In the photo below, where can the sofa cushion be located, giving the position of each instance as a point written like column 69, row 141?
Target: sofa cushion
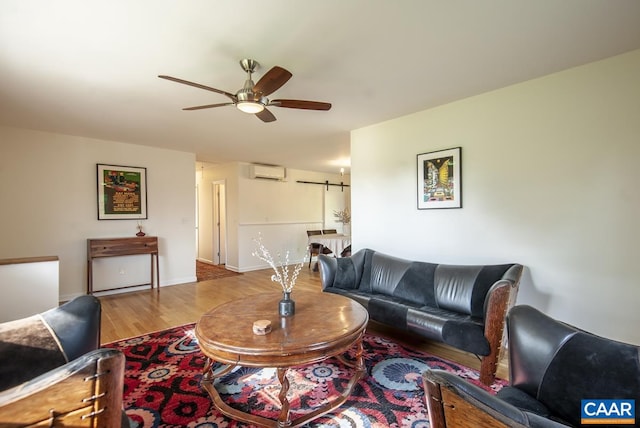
column 464, row 289
column 386, row 273
column 345, row 274
column 27, row 349
column 349, row 271
column 392, row 276
column 365, row 281
column 387, row 311
column 600, row 368
column 454, row 287
column 466, row 335
column 523, row 401
column 455, row 329
column 416, row 285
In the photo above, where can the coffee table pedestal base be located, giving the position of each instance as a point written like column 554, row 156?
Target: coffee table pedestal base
column 284, row 419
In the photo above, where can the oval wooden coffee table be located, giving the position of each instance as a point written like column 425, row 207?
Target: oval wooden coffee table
column 324, row 325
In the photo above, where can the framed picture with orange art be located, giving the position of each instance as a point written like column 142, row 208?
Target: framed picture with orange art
column 439, row 180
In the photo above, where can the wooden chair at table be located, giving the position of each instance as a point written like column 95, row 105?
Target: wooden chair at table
column 314, row 247
column 346, row 252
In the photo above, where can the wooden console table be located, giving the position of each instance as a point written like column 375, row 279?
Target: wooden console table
column 113, row 247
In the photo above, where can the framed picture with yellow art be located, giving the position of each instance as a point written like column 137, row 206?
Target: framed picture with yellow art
column 122, row 192
column 439, row 179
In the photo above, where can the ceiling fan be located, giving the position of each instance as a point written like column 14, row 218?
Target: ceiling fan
column 252, row 98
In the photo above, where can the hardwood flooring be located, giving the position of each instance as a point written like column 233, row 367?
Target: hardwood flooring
column 131, row 314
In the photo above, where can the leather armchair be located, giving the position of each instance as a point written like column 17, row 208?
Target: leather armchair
column 53, row 373
column 552, row 367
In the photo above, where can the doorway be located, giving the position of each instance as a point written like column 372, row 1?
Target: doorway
column 219, row 223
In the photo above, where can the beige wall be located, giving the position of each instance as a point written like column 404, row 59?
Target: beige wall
column 281, row 212
column 550, row 180
column 49, row 206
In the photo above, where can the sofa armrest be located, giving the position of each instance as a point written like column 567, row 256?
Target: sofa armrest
column 496, row 306
column 328, row 268
column 501, row 297
column 452, row 400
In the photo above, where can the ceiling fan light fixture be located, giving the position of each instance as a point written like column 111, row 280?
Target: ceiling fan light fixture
column 250, row 107
column 252, row 98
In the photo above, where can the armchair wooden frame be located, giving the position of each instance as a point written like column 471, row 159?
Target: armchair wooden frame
column 86, row 392
column 447, row 409
column 501, row 298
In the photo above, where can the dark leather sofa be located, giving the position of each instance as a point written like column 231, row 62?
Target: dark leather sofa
column 553, row 366
column 462, row 306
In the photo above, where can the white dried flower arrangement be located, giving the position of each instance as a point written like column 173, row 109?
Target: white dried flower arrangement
column 343, row 216
column 282, row 275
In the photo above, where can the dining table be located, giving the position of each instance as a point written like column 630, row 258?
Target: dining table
column 336, row 242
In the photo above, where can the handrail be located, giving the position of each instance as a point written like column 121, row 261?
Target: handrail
column 20, row 260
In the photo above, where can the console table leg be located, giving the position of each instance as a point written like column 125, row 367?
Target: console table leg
column 89, row 277
column 158, row 272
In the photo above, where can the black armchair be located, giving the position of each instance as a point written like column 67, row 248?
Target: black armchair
column 52, row 372
column 552, row 367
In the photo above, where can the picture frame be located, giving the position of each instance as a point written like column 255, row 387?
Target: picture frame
column 439, row 179
column 122, row 192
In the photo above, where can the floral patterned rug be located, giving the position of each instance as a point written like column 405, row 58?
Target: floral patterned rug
column 164, row 369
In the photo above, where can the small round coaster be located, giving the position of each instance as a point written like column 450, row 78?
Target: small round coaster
column 261, row 327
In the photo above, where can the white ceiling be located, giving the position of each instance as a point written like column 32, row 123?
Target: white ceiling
column 89, row 68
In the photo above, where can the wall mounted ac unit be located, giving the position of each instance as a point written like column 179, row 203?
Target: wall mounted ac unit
column 268, row 172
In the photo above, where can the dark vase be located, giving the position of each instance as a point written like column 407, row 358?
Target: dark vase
column 286, row 307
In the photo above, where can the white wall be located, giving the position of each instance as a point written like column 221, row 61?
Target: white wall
column 49, row 207
column 28, row 287
column 281, row 212
column 550, row 180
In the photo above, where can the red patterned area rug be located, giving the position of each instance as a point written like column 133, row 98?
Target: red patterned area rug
column 164, row 369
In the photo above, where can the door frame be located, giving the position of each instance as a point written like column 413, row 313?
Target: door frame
column 219, row 222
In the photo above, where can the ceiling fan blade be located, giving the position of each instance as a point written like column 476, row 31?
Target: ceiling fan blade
column 208, row 106
column 198, row 85
column 272, row 81
column 306, row 105
column 266, row 116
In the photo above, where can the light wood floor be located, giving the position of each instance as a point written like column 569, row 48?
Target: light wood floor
column 131, row 314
